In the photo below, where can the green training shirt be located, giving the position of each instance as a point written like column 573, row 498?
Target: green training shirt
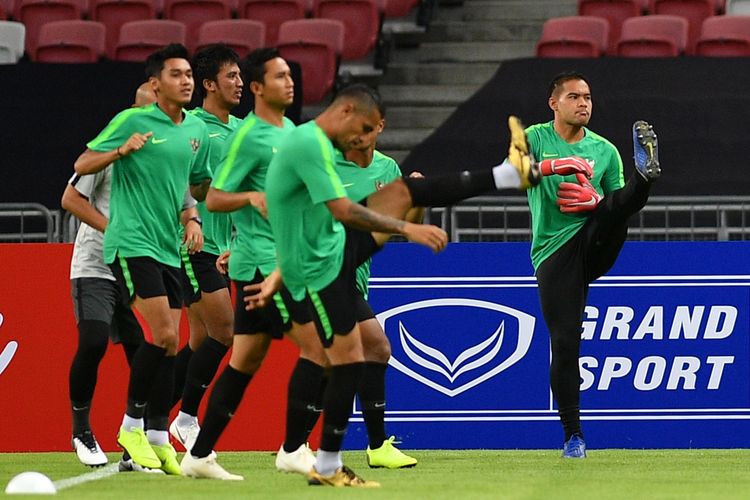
column 217, row 226
column 244, row 166
column 309, row 241
column 550, row 227
column 360, row 183
column 149, row 185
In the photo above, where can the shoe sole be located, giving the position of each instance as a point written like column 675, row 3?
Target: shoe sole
column 519, row 141
column 409, row 466
column 644, row 134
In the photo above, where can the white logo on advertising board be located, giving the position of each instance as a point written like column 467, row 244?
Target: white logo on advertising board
column 10, row 350
column 424, row 358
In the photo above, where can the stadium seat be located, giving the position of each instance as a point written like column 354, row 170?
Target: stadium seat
column 3, row 15
column 575, row 36
column 272, row 13
column 738, row 7
column 695, row 11
column 725, row 36
column 653, row 36
column 362, row 23
column 114, row 13
column 243, row 35
column 70, row 42
column 34, row 13
column 138, row 39
column 316, row 45
column 193, row 13
column 399, row 8
column 12, row 41
column 614, row 11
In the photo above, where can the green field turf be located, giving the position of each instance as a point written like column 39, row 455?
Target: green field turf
column 606, row 474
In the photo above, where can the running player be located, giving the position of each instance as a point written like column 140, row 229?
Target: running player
column 157, row 152
column 206, row 290
column 579, row 228
column 238, row 188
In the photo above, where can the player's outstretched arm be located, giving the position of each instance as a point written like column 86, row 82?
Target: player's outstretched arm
column 199, row 191
column 225, row 201
column 91, row 162
column 78, row 205
column 360, row 217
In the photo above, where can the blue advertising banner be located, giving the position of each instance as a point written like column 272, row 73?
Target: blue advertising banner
column 665, row 357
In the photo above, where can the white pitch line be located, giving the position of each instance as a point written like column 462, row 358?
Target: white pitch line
column 109, row 470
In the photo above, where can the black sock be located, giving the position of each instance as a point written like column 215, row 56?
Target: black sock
column 92, row 344
column 314, row 415
column 224, row 400
column 301, row 409
column 146, row 364
column 449, row 189
column 372, row 397
column 158, row 401
column 571, row 421
column 180, row 372
column 200, row 373
column 130, row 350
column 342, row 385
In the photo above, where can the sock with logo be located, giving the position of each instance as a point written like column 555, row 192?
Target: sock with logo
column 342, row 385
column 200, row 373
column 372, row 397
column 223, row 402
column 142, row 376
column 93, row 337
column 449, row 189
column 571, row 421
column 158, row 401
column 302, row 409
column 180, row 372
column 314, row 416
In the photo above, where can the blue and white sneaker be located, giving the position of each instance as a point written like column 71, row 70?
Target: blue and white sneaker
column 646, row 150
column 575, row 447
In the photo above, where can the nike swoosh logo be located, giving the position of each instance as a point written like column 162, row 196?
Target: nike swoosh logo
column 204, row 386
column 379, row 405
column 348, row 185
column 140, row 405
column 154, row 140
column 591, row 201
column 549, row 155
column 214, row 135
column 75, row 408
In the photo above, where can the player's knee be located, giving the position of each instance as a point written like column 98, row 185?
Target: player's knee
column 93, row 337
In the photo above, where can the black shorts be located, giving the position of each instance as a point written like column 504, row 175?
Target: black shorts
column 147, row 278
column 334, row 308
column 363, row 309
column 274, row 319
column 199, row 274
column 98, row 299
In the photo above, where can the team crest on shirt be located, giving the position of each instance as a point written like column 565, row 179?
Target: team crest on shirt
column 195, row 144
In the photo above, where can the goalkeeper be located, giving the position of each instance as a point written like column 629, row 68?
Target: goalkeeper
column 579, row 227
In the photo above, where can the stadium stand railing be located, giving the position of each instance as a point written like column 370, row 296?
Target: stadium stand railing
column 29, row 222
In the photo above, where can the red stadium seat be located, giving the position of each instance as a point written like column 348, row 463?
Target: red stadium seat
column 399, row 8
column 12, row 41
column 35, row 13
column 272, row 13
column 138, row 39
column 575, row 36
column 695, row 11
column 70, row 42
column 114, row 13
column 725, row 36
column 242, row 35
column 193, row 13
column 614, row 11
column 316, row 44
column 362, row 23
column 719, row 6
column 653, row 36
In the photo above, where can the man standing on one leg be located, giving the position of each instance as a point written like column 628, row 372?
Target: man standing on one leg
column 579, row 228
column 206, row 290
column 157, row 152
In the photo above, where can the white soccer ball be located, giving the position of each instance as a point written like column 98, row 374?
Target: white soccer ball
column 30, row 482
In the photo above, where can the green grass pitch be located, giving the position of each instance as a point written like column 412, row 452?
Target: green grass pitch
column 606, row 474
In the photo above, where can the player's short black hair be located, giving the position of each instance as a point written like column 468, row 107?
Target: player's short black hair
column 155, row 61
column 364, row 95
column 207, row 63
column 254, row 65
column 566, row 76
